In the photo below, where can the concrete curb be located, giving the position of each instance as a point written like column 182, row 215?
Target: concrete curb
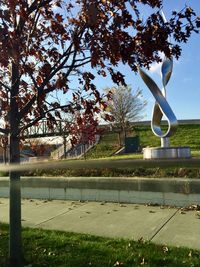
column 163, row 191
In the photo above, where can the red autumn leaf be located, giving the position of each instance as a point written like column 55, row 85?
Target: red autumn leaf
column 39, row 80
column 59, row 17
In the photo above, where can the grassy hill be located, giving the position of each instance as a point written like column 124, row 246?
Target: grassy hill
column 107, row 146
column 186, row 135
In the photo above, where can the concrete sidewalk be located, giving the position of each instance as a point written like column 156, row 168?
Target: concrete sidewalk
column 159, row 224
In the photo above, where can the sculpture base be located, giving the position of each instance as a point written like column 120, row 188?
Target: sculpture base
column 166, row 153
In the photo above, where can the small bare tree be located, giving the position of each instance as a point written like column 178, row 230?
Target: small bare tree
column 125, row 107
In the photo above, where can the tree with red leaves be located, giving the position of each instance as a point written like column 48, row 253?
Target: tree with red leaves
column 84, row 130
column 44, row 44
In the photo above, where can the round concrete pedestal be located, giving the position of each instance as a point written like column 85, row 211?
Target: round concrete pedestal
column 166, row 152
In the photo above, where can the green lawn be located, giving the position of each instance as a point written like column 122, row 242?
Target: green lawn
column 107, row 146
column 44, row 248
column 186, row 135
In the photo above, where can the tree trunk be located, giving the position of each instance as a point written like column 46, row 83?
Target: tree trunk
column 124, row 133
column 5, row 154
column 65, row 146
column 119, row 139
column 15, row 242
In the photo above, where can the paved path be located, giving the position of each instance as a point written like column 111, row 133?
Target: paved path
column 169, row 226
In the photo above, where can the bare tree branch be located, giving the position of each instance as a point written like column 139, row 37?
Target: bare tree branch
column 5, row 86
column 4, row 131
column 33, row 122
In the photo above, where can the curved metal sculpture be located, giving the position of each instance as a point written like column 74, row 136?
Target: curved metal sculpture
column 161, row 106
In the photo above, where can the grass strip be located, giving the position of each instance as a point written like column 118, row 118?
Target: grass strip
column 45, row 248
column 104, row 163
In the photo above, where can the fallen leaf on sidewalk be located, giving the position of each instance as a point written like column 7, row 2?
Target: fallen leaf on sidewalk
column 152, row 204
column 195, row 207
column 191, row 207
column 182, row 212
column 198, row 215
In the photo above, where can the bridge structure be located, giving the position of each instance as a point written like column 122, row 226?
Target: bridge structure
column 64, row 150
column 43, row 130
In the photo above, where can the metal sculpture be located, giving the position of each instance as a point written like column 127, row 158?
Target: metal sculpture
column 161, row 106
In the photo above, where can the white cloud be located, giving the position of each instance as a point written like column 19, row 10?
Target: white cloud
column 156, row 67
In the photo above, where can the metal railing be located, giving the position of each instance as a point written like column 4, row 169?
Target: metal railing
column 75, row 152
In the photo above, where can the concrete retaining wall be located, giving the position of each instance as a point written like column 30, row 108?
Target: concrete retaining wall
column 165, row 191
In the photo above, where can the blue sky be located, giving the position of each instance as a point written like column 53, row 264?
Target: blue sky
column 183, row 89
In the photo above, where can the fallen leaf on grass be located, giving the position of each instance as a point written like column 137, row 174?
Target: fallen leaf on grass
column 51, row 254
column 141, row 240
column 190, row 254
column 118, row 263
column 142, row 262
column 165, row 249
